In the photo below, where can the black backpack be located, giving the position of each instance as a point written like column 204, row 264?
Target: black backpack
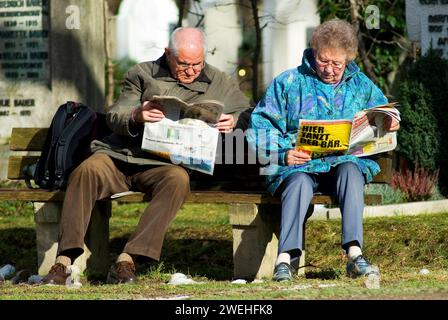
column 67, row 144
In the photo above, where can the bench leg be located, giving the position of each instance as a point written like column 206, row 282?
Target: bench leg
column 255, row 240
column 46, row 216
column 255, row 243
column 96, row 249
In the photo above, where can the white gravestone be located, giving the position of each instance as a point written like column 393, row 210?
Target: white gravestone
column 288, row 32
column 51, row 51
column 24, row 61
column 427, row 23
column 143, row 28
column 223, row 32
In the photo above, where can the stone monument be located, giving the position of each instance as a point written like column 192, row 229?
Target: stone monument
column 50, row 52
column 143, row 28
column 427, row 23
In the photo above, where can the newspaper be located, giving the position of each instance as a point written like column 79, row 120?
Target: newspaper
column 174, row 108
column 183, row 136
column 362, row 136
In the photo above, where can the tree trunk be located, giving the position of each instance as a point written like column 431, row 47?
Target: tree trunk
column 257, row 51
column 109, row 63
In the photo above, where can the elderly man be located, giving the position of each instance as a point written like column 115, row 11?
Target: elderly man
column 118, row 164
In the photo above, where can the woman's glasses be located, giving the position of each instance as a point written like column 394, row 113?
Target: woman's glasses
column 335, row 65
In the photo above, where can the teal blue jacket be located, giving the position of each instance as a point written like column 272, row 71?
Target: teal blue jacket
column 300, row 94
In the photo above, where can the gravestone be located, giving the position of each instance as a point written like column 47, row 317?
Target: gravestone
column 427, row 23
column 143, row 28
column 222, row 28
column 50, row 52
column 288, row 33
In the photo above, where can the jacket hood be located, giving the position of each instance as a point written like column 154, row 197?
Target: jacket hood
column 309, row 64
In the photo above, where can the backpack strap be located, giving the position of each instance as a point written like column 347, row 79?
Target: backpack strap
column 83, row 114
column 57, row 128
column 28, row 174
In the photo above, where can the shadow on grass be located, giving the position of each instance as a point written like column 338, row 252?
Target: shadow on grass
column 212, row 259
column 196, row 257
column 18, row 247
column 324, row 274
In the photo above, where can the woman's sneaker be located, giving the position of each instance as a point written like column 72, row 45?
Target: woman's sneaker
column 283, row 272
column 360, row 266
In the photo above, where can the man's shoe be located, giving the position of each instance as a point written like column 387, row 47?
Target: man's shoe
column 122, row 272
column 58, row 275
column 360, row 266
column 283, row 272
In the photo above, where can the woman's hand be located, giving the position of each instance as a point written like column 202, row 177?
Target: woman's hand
column 148, row 112
column 391, row 124
column 296, row 157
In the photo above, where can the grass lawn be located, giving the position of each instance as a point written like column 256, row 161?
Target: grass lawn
column 199, row 244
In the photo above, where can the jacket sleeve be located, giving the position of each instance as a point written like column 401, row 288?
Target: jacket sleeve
column 119, row 115
column 267, row 134
column 235, row 102
column 373, row 95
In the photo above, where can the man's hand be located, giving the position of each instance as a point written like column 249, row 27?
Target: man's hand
column 148, row 112
column 390, row 124
column 296, row 157
column 225, row 123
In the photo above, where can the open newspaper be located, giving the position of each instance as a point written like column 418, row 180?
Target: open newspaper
column 174, row 108
column 362, row 136
column 186, row 135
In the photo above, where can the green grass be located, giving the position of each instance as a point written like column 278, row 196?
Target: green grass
column 199, row 243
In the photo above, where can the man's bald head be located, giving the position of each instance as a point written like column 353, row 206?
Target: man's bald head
column 187, row 38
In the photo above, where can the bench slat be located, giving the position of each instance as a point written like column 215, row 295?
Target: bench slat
column 16, row 164
column 37, row 195
column 229, row 180
column 27, row 139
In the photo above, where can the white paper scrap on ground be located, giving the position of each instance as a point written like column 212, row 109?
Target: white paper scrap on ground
column 372, row 281
column 239, row 281
column 73, row 281
column 180, row 278
column 424, row 271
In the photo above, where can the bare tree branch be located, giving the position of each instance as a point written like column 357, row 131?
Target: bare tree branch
column 257, row 50
column 228, row 4
column 354, row 11
column 181, row 4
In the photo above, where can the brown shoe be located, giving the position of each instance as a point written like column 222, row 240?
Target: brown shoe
column 58, row 275
column 122, row 272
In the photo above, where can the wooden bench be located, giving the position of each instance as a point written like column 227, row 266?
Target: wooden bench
column 253, row 214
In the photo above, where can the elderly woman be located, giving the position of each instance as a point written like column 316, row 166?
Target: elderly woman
column 328, row 85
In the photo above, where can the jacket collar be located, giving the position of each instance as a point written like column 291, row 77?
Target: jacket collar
column 161, row 71
column 309, row 63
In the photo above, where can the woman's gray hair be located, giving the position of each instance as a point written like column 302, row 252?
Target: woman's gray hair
column 174, row 42
column 336, row 34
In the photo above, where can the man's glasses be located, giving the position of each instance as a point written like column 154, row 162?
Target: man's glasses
column 184, row 66
column 337, row 66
